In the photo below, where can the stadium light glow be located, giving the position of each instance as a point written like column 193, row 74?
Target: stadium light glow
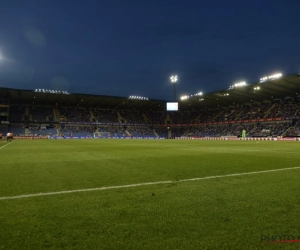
column 1, row 56
column 185, row 97
column 256, row 88
column 271, row 77
column 135, row 97
column 174, row 79
column 223, row 94
column 240, row 84
column 51, row 91
column 237, row 85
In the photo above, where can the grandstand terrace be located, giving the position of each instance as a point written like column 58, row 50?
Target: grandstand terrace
column 273, row 110
column 105, row 116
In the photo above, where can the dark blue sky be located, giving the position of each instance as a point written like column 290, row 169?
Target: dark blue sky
column 132, row 47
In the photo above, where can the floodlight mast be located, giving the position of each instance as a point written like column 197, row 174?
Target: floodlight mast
column 174, row 80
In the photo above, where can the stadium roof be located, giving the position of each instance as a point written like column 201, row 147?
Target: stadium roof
column 283, row 87
column 286, row 86
column 30, row 97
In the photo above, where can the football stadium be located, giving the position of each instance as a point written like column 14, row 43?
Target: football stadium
column 213, row 170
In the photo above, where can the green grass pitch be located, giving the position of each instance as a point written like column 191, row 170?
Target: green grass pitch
column 227, row 212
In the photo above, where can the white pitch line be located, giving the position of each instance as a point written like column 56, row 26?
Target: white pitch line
column 141, row 184
column 6, row 145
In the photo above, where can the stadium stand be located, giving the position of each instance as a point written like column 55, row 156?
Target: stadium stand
column 105, row 116
column 74, row 114
column 272, row 112
column 41, row 114
column 17, row 129
column 41, row 130
column 156, row 117
column 134, row 117
column 17, row 114
column 3, row 129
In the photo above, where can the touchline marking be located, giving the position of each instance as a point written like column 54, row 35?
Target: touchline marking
column 141, row 184
column 6, row 145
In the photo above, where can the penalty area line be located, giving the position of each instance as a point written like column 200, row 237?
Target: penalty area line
column 142, row 184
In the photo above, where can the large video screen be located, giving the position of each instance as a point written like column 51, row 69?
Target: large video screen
column 172, row 106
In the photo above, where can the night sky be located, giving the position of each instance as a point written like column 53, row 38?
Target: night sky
column 127, row 47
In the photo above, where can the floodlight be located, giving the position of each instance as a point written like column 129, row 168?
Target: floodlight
column 271, row 77
column 184, row 97
column 174, row 79
column 138, row 97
